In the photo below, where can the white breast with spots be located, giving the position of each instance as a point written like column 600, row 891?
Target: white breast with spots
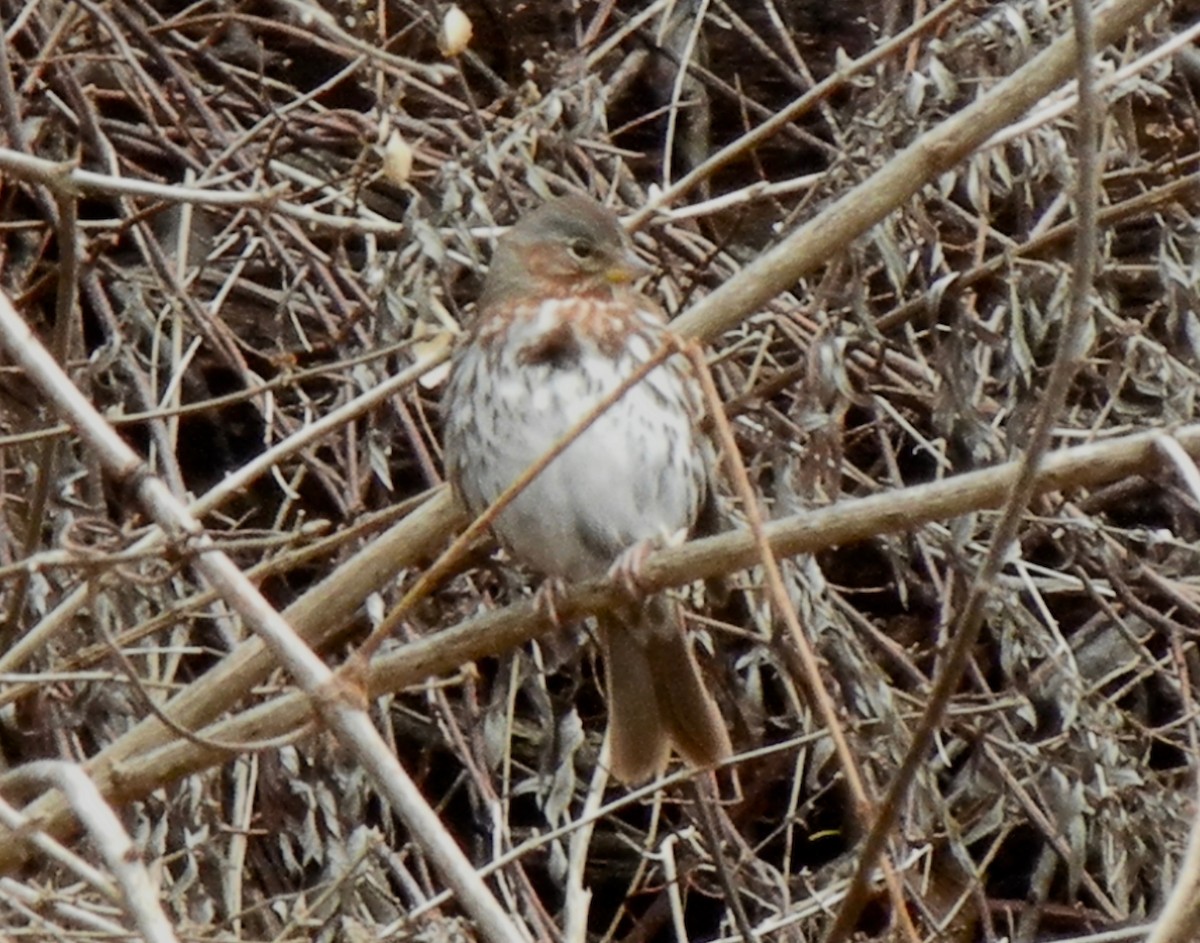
column 637, row 472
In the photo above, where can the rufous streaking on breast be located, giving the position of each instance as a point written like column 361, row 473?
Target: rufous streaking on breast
column 559, row 327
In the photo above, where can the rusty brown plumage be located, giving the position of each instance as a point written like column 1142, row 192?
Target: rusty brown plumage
column 558, row 328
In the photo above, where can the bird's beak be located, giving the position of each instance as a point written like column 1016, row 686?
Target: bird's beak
column 628, row 268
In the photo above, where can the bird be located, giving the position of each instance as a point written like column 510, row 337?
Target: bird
column 558, row 326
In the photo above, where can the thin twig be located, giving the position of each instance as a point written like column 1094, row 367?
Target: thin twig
column 351, row 724
column 1024, row 485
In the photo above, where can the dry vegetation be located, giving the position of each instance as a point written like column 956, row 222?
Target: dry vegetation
column 1058, row 795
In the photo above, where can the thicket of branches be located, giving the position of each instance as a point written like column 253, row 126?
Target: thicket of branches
column 210, row 327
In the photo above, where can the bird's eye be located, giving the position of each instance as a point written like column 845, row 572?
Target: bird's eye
column 581, row 250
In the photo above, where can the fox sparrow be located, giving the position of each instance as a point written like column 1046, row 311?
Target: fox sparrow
column 558, row 328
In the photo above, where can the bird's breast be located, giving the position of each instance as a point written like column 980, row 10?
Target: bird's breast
column 524, row 385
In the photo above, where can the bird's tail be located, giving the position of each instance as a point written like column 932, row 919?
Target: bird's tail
column 656, row 694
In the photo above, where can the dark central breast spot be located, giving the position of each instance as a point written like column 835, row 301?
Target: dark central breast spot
column 558, row 348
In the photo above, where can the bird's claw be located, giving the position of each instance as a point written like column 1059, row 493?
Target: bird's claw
column 627, row 568
column 545, row 600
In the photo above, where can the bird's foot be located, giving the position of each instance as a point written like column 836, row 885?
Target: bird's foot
column 547, row 597
column 627, row 568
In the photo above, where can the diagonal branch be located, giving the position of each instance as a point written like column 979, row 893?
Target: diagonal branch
column 124, row 774
column 348, row 720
